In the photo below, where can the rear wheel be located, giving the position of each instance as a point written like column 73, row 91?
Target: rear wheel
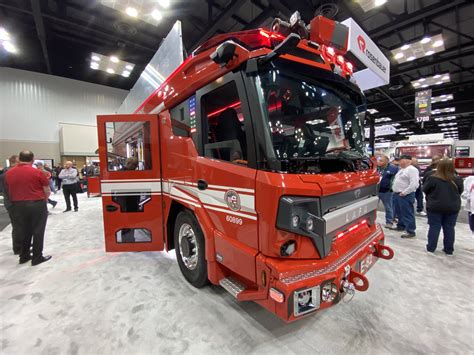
column 190, row 249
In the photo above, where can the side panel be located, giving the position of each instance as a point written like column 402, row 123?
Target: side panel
column 130, row 173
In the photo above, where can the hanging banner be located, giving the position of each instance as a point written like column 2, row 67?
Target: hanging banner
column 385, row 130
column 377, row 72
column 423, row 105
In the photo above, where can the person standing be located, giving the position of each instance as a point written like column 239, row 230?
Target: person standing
column 16, row 240
column 387, row 172
column 69, row 182
column 58, row 169
column 404, row 186
column 431, row 169
column 28, row 190
column 418, row 192
column 468, row 196
column 443, row 192
column 46, row 173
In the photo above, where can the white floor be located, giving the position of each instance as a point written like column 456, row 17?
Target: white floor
column 85, row 301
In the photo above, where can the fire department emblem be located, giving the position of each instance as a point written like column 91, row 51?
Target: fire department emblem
column 232, row 199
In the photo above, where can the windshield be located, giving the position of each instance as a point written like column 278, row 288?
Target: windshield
column 307, row 119
column 425, row 151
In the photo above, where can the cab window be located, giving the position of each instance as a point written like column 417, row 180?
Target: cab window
column 183, row 118
column 223, row 125
column 128, row 146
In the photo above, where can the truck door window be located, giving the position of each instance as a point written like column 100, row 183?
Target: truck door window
column 222, row 115
column 183, row 118
column 128, row 146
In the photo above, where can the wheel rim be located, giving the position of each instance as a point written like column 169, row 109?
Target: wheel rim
column 188, row 247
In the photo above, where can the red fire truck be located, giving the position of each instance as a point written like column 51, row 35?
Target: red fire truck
column 249, row 162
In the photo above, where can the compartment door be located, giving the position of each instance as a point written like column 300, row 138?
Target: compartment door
column 130, row 174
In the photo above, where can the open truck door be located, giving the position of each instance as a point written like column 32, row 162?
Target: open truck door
column 130, row 176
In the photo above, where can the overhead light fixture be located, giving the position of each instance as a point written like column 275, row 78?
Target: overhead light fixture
column 448, row 124
column 164, row 3
column 383, row 119
column 443, row 110
column 431, row 80
column 372, row 111
column 131, row 11
column 6, row 41
column 396, row 124
column 110, row 64
column 150, row 11
column 156, row 14
column 126, row 73
column 446, row 118
column 425, row 47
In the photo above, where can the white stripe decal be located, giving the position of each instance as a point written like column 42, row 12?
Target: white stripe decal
column 134, row 187
column 128, row 180
column 181, row 199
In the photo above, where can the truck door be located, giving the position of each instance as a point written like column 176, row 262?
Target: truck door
column 225, row 172
column 130, row 182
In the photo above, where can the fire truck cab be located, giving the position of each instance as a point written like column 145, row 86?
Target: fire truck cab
column 249, row 162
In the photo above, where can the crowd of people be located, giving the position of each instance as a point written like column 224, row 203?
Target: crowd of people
column 26, row 187
column 404, row 188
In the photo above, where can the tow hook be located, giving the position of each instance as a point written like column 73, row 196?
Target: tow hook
column 383, row 252
column 360, row 282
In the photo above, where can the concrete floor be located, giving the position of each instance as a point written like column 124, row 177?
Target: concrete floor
column 85, row 301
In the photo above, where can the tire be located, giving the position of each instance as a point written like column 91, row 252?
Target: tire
column 190, row 249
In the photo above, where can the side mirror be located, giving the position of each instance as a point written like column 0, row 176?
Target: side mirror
column 224, row 53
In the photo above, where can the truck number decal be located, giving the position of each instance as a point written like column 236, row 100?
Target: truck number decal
column 233, row 219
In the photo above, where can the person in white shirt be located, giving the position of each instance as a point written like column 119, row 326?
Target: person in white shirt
column 468, row 198
column 404, row 186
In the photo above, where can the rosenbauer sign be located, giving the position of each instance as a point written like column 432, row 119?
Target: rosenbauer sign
column 377, row 71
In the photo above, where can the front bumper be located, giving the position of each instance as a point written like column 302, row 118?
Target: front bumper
column 345, row 272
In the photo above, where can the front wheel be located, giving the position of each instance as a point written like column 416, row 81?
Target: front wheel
column 190, row 249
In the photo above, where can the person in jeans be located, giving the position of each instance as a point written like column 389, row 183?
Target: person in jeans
column 28, row 190
column 404, row 186
column 387, row 172
column 443, row 192
column 69, row 183
column 16, row 238
column 468, row 196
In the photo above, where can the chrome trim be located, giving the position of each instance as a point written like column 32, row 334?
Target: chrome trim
column 232, row 286
column 345, row 215
column 315, row 300
column 336, row 264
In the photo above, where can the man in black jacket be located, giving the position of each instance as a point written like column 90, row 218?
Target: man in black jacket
column 387, row 172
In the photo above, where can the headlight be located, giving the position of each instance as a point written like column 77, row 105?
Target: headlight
column 310, row 224
column 295, row 221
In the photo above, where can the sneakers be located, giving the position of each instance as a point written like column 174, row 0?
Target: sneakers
column 54, row 203
column 431, row 253
column 421, row 213
column 448, row 253
column 395, row 228
column 76, row 209
column 67, row 210
column 408, row 235
column 389, row 225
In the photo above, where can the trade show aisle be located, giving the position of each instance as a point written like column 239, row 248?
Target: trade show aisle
column 85, row 301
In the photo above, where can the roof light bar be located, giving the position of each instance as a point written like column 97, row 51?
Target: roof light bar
column 425, row 47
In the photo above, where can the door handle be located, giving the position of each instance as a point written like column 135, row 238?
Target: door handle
column 111, row 208
column 202, row 184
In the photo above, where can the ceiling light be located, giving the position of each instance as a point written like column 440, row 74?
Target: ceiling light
column 131, row 11
column 419, row 49
column 4, row 35
column 103, row 62
column 396, row 124
column 444, row 97
column 372, row 111
column 164, row 3
column 438, row 43
column 431, row 80
column 399, row 55
column 126, row 73
column 156, row 14
column 443, row 110
column 9, row 47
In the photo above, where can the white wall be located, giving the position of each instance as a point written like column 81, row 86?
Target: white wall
column 32, row 105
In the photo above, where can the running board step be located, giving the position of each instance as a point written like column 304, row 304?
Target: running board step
column 232, row 286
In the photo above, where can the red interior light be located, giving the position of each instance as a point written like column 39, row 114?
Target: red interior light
column 349, row 67
column 355, row 226
column 264, row 33
column 340, row 60
column 215, row 113
column 330, row 51
column 340, row 235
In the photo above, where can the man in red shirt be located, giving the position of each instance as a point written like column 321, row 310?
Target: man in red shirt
column 28, row 191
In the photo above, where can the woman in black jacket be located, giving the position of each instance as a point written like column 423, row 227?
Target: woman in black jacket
column 443, row 192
